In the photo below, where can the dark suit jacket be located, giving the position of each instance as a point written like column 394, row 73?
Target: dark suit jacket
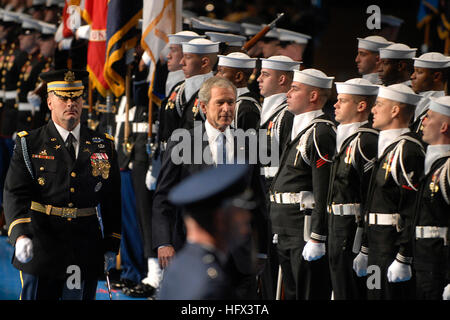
column 167, row 222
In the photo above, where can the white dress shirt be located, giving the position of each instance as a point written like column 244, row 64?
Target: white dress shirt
column 213, row 135
column 65, row 133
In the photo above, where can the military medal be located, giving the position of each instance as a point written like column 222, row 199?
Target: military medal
column 195, row 107
column 434, row 185
column 348, row 155
column 269, row 128
column 100, row 165
column 387, row 164
column 97, row 140
column 41, row 181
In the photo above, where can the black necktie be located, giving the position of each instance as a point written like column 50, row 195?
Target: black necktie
column 69, row 145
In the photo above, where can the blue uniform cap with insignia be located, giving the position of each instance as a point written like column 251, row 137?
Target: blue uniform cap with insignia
column 213, row 188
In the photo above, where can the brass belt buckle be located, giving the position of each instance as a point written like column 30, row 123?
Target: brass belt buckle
column 69, row 212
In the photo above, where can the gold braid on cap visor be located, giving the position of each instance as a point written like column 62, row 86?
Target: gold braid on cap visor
column 66, row 89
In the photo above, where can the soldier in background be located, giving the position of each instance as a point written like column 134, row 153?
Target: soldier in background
column 432, row 222
column 217, row 219
column 429, row 79
column 237, row 67
column 368, row 57
column 396, row 64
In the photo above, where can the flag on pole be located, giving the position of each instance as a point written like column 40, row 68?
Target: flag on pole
column 121, row 37
column 160, row 18
column 71, row 17
column 95, row 14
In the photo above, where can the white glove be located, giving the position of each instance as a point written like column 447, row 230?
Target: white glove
column 446, row 294
column 398, row 272
column 24, row 250
column 313, row 251
column 34, row 99
column 150, row 180
column 154, row 275
column 360, row 264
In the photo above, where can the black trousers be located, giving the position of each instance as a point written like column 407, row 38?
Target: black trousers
column 45, row 288
column 143, row 206
column 302, row 280
column 430, row 284
column 387, row 290
column 345, row 283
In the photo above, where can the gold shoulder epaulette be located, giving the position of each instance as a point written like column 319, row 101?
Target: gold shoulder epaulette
column 22, row 134
column 108, row 136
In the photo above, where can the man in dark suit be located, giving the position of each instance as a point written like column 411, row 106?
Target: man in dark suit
column 209, row 144
column 62, row 179
column 217, row 217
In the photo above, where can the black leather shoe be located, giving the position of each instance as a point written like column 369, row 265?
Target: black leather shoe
column 141, row 290
column 121, row 284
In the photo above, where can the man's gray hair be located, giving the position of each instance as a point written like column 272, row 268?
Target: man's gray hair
column 204, row 95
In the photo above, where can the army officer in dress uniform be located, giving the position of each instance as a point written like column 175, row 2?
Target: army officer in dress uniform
column 216, row 218
column 61, row 177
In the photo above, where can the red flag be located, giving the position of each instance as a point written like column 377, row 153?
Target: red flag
column 95, row 14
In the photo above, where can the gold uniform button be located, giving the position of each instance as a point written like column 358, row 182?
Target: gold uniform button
column 72, row 190
column 73, row 174
column 41, row 168
column 70, row 204
column 212, row 273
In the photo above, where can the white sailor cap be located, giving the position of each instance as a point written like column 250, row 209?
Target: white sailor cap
column 183, row 36
column 313, row 77
column 10, row 16
column 441, row 105
column 272, row 33
column 228, row 38
column 432, row 60
column 297, row 37
column 204, row 25
column 47, row 28
column 233, row 27
column 373, row 43
column 59, row 3
column 251, row 29
column 38, row 2
column 400, row 93
column 282, row 63
column 391, row 20
column 28, row 23
column 358, row 86
column 200, row 46
column 397, row 51
column 237, row 60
